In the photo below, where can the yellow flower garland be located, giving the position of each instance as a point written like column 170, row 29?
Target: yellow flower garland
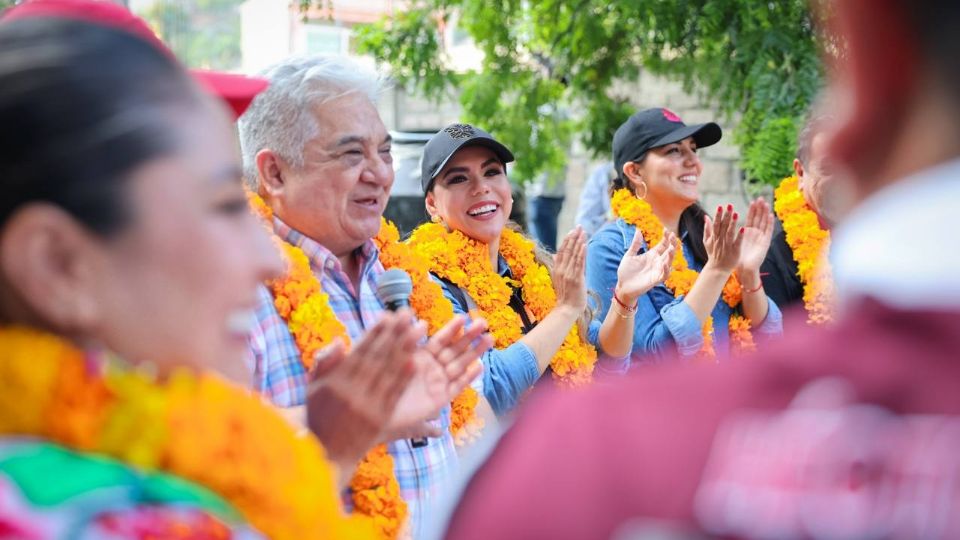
column 639, row 213
column 430, row 305
column 302, row 303
column 466, row 263
column 809, row 243
column 227, row 439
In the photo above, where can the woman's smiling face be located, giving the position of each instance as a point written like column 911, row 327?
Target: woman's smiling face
column 472, row 194
column 672, row 174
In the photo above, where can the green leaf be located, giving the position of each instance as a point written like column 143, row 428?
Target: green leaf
column 552, row 68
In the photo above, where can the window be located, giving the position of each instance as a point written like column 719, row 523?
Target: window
column 324, row 39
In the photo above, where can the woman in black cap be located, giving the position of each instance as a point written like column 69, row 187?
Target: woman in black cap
column 532, row 301
column 713, row 298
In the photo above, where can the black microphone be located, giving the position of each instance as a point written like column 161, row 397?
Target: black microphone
column 393, row 289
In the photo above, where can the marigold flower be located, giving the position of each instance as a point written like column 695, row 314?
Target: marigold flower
column 228, row 440
column 809, row 243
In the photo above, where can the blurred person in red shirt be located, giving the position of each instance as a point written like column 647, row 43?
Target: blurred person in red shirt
column 847, row 432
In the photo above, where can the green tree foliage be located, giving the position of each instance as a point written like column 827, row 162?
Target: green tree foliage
column 552, row 67
column 202, row 33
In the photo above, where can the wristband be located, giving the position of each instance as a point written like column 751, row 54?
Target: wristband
column 624, row 306
column 760, row 286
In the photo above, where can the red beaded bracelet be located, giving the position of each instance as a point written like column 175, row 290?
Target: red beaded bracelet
column 760, row 286
column 624, row 306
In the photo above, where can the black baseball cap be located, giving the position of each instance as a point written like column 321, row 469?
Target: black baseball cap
column 442, row 146
column 652, row 128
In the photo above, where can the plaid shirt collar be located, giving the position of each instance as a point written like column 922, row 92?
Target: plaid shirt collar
column 321, row 258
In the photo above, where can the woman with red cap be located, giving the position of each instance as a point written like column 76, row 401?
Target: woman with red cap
column 713, row 299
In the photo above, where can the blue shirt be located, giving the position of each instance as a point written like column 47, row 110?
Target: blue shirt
column 664, row 324
column 509, row 372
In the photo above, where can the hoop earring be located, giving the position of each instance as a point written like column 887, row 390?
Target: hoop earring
column 644, row 196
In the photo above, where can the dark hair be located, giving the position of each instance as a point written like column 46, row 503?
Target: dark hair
column 691, row 219
column 81, row 106
column 619, row 182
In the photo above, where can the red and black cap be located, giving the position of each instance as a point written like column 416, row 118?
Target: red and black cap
column 652, row 128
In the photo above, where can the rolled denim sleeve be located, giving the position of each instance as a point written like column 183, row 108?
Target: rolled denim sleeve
column 507, row 373
column 772, row 325
column 606, row 364
column 683, row 325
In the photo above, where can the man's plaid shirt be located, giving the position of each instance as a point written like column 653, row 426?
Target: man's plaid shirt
column 279, row 375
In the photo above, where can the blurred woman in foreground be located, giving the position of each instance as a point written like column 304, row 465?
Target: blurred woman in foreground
column 128, row 266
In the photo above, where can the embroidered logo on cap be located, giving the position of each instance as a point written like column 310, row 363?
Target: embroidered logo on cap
column 669, row 115
column 460, row 131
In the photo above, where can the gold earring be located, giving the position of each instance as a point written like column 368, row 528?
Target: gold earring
column 644, row 196
column 435, row 218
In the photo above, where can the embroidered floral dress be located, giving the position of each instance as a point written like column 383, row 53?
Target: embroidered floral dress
column 49, row 492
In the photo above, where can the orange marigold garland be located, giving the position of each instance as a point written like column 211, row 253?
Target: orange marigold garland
column 302, row 303
column 466, row 263
column 430, row 305
column 228, row 440
column 639, row 213
column 373, row 492
column 809, row 243
column 427, row 299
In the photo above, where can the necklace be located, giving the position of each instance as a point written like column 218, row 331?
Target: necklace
column 197, row 427
column 809, row 243
column 466, row 263
column 304, row 306
column 430, row 305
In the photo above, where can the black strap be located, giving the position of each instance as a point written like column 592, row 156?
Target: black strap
column 516, row 303
column 458, row 294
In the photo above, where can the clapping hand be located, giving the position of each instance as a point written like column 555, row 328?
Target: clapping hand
column 352, row 395
column 757, row 234
column 640, row 272
column 388, row 385
column 722, row 240
column 569, row 269
column 444, row 367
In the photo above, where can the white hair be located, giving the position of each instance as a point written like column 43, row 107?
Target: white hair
column 281, row 117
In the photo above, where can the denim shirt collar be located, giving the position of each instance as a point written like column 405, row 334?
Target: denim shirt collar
column 503, row 268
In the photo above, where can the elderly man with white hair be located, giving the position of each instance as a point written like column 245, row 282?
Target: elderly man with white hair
column 318, row 154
